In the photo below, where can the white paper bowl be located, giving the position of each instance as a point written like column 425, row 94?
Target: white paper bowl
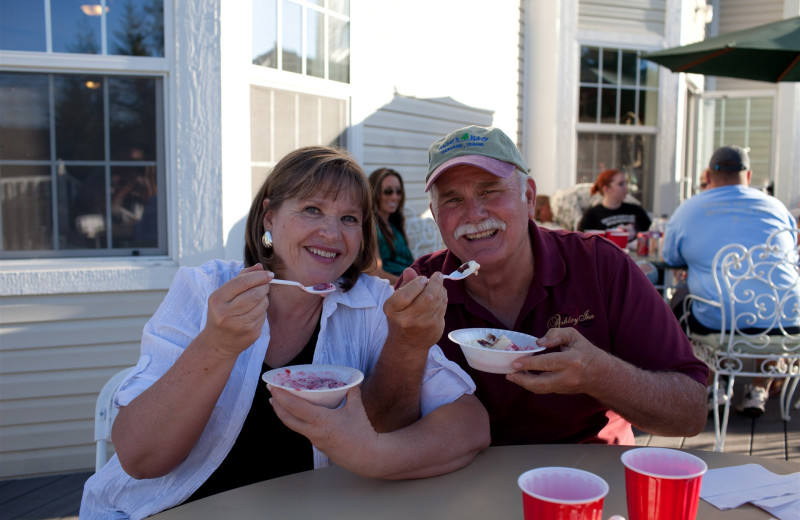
column 488, row 360
column 327, row 397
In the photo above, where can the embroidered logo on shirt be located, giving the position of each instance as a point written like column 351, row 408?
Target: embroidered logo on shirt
column 558, row 320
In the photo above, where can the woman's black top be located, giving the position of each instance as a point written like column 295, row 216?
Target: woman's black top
column 265, row 448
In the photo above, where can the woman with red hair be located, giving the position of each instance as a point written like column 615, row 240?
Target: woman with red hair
column 613, row 212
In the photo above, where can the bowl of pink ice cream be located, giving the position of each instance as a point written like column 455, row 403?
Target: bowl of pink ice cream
column 324, row 385
column 493, row 350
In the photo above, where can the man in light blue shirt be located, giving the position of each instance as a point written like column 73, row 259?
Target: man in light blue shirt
column 728, row 211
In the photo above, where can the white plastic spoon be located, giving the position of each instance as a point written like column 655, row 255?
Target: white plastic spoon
column 465, row 270
column 322, row 288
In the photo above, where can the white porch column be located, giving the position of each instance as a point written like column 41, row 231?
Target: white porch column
column 548, row 121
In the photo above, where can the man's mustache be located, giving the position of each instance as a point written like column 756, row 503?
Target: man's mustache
column 484, row 225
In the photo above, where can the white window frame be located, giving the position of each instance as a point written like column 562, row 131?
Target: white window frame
column 20, row 277
column 617, row 128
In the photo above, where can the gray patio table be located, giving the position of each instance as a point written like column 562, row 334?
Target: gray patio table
column 486, row 488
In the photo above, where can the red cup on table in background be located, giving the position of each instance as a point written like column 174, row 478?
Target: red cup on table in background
column 618, row 236
column 562, row 494
column 662, row 484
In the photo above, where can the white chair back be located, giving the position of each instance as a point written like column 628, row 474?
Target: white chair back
column 422, row 232
column 104, row 414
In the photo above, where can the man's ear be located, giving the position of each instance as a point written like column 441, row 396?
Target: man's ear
column 530, row 196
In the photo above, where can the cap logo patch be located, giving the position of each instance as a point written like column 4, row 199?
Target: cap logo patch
column 459, row 142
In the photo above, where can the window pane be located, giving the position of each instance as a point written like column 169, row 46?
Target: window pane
column 610, row 61
column 132, row 118
column 605, row 155
column 22, row 25
column 79, row 117
column 333, row 114
column 260, row 117
column 308, row 122
column 627, row 105
column 315, row 44
column 340, row 6
column 629, row 68
column 81, row 207
column 134, row 207
column 285, row 122
column 588, row 105
column 648, row 73
column 608, row 106
column 586, row 151
column 74, row 30
column 24, row 116
column 634, row 154
column 265, row 33
column 590, row 63
column 339, row 49
column 648, row 107
column 135, row 28
column 736, row 112
column 292, row 37
column 26, row 203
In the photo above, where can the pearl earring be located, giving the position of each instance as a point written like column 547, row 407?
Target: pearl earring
column 266, row 239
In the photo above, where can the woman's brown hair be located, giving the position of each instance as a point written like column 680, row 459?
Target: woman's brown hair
column 603, row 180
column 397, row 218
column 303, row 173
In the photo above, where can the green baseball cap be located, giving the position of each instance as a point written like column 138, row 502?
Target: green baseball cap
column 486, row 147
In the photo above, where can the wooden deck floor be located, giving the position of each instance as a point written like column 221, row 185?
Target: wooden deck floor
column 58, row 496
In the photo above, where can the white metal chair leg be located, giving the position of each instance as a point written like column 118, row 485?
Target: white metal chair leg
column 720, row 430
column 787, row 392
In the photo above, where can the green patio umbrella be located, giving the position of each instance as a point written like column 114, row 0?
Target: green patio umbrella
column 768, row 52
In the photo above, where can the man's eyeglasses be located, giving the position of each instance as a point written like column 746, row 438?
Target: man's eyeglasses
column 389, row 191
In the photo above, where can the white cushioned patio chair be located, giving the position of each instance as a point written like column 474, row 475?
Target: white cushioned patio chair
column 757, row 284
column 422, row 232
column 104, row 414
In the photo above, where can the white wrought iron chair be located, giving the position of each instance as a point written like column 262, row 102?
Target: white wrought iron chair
column 104, row 414
column 758, row 283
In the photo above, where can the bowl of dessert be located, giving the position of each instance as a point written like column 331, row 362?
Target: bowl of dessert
column 493, row 350
column 324, row 385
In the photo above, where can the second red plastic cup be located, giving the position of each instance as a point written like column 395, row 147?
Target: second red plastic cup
column 562, row 494
column 662, row 484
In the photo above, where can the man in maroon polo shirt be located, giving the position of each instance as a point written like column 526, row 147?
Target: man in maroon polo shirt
column 615, row 354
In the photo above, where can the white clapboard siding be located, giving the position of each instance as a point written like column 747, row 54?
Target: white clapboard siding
column 735, row 15
column 56, row 353
column 644, row 17
column 398, row 135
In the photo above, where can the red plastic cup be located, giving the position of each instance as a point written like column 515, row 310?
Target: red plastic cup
column 562, row 494
column 662, row 484
column 601, row 232
column 618, row 237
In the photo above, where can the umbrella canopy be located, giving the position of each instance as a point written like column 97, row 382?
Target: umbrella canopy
column 768, row 52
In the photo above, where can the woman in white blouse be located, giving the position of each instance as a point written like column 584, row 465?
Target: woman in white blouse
column 194, row 419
